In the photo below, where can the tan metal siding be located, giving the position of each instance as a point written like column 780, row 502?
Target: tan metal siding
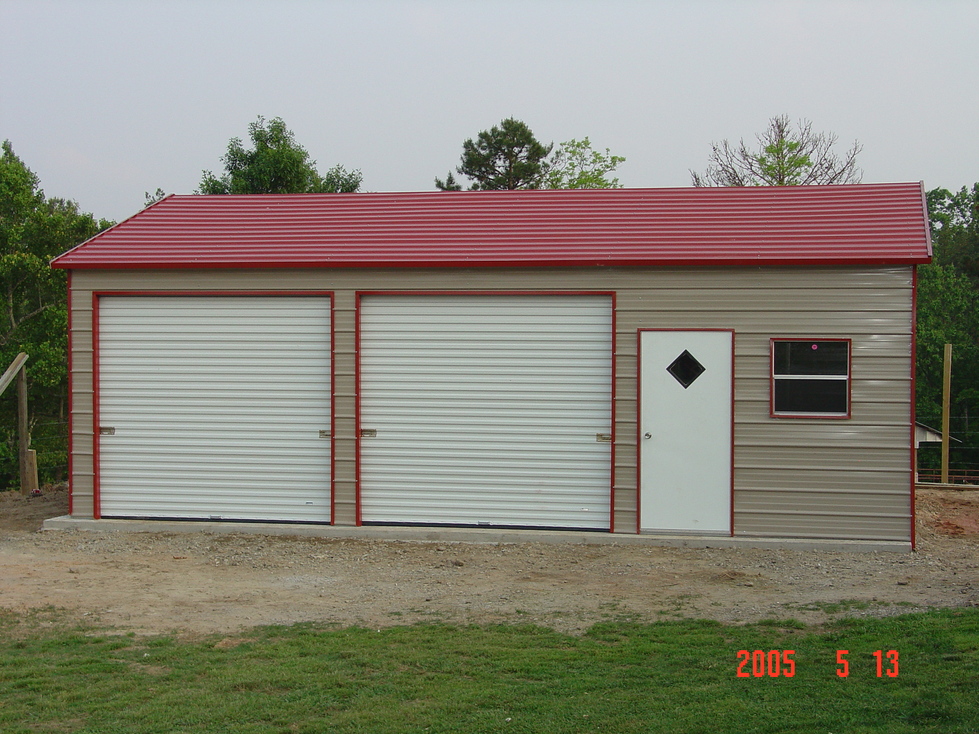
column 782, row 464
column 776, row 491
column 345, row 408
column 82, row 411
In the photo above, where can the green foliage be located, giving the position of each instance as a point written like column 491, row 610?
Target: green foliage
column 448, row 184
column 948, row 313
column 276, row 164
column 34, row 315
column 784, row 161
column 508, row 156
column 338, row 180
column 785, row 157
column 19, row 194
column 955, row 228
column 618, row 677
column 576, row 165
column 151, row 199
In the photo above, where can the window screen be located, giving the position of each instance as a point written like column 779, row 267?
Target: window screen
column 811, row 378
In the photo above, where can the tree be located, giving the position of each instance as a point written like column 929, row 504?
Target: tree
column 151, row 199
column 276, row 164
column 785, row 157
column 575, row 165
column 449, row 184
column 948, row 313
column 34, row 313
column 955, row 228
column 507, row 156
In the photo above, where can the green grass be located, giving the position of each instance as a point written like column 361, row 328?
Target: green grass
column 671, row 676
column 844, row 605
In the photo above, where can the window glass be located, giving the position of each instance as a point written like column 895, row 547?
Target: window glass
column 810, row 396
column 812, row 358
column 811, row 378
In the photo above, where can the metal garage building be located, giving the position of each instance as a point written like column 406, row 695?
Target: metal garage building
column 709, row 362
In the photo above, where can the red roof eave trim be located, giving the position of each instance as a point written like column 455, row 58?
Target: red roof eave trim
column 924, row 206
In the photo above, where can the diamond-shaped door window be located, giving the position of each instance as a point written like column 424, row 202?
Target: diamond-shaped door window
column 686, row 369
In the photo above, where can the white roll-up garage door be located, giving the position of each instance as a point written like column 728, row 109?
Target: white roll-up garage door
column 215, row 407
column 486, row 410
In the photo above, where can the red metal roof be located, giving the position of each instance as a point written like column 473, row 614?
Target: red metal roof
column 796, row 225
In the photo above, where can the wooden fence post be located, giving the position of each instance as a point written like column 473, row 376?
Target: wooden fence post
column 946, row 403
column 28, row 463
column 26, row 455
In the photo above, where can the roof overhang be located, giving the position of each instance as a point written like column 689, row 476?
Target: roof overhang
column 859, row 224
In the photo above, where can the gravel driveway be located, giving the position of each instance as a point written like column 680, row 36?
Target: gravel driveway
column 206, row 583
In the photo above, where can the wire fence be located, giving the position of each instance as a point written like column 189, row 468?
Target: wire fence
column 963, row 450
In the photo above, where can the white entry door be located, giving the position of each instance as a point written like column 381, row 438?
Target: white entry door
column 685, row 431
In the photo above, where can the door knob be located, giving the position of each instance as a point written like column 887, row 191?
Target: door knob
column 647, row 434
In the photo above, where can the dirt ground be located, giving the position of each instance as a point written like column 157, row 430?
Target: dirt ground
column 204, row 583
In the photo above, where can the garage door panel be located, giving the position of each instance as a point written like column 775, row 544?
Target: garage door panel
column 203, row 443
column 486, row 409
column 216, row 405
column 471, row 508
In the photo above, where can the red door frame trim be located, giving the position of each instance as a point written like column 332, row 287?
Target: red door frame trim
column 639, row 333
column 914, row 392
column 71, row 409
column 96, row 412
column 357, row 371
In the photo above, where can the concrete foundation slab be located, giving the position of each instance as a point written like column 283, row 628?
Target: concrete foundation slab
column 469, row 535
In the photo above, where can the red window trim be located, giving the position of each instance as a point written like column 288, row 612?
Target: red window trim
column 818, row 416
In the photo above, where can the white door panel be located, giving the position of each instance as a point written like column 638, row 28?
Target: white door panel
column 685, row 431
column 486, row 410
column 212, row 407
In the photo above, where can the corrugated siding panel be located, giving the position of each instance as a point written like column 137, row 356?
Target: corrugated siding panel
column 782, row 465
column 82, row 431
column 741, row 298
column 871, row 223
column 216, row 405
column 836, row 524
column 486, row 410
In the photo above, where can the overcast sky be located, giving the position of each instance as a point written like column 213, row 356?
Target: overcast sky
column 108, row 100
